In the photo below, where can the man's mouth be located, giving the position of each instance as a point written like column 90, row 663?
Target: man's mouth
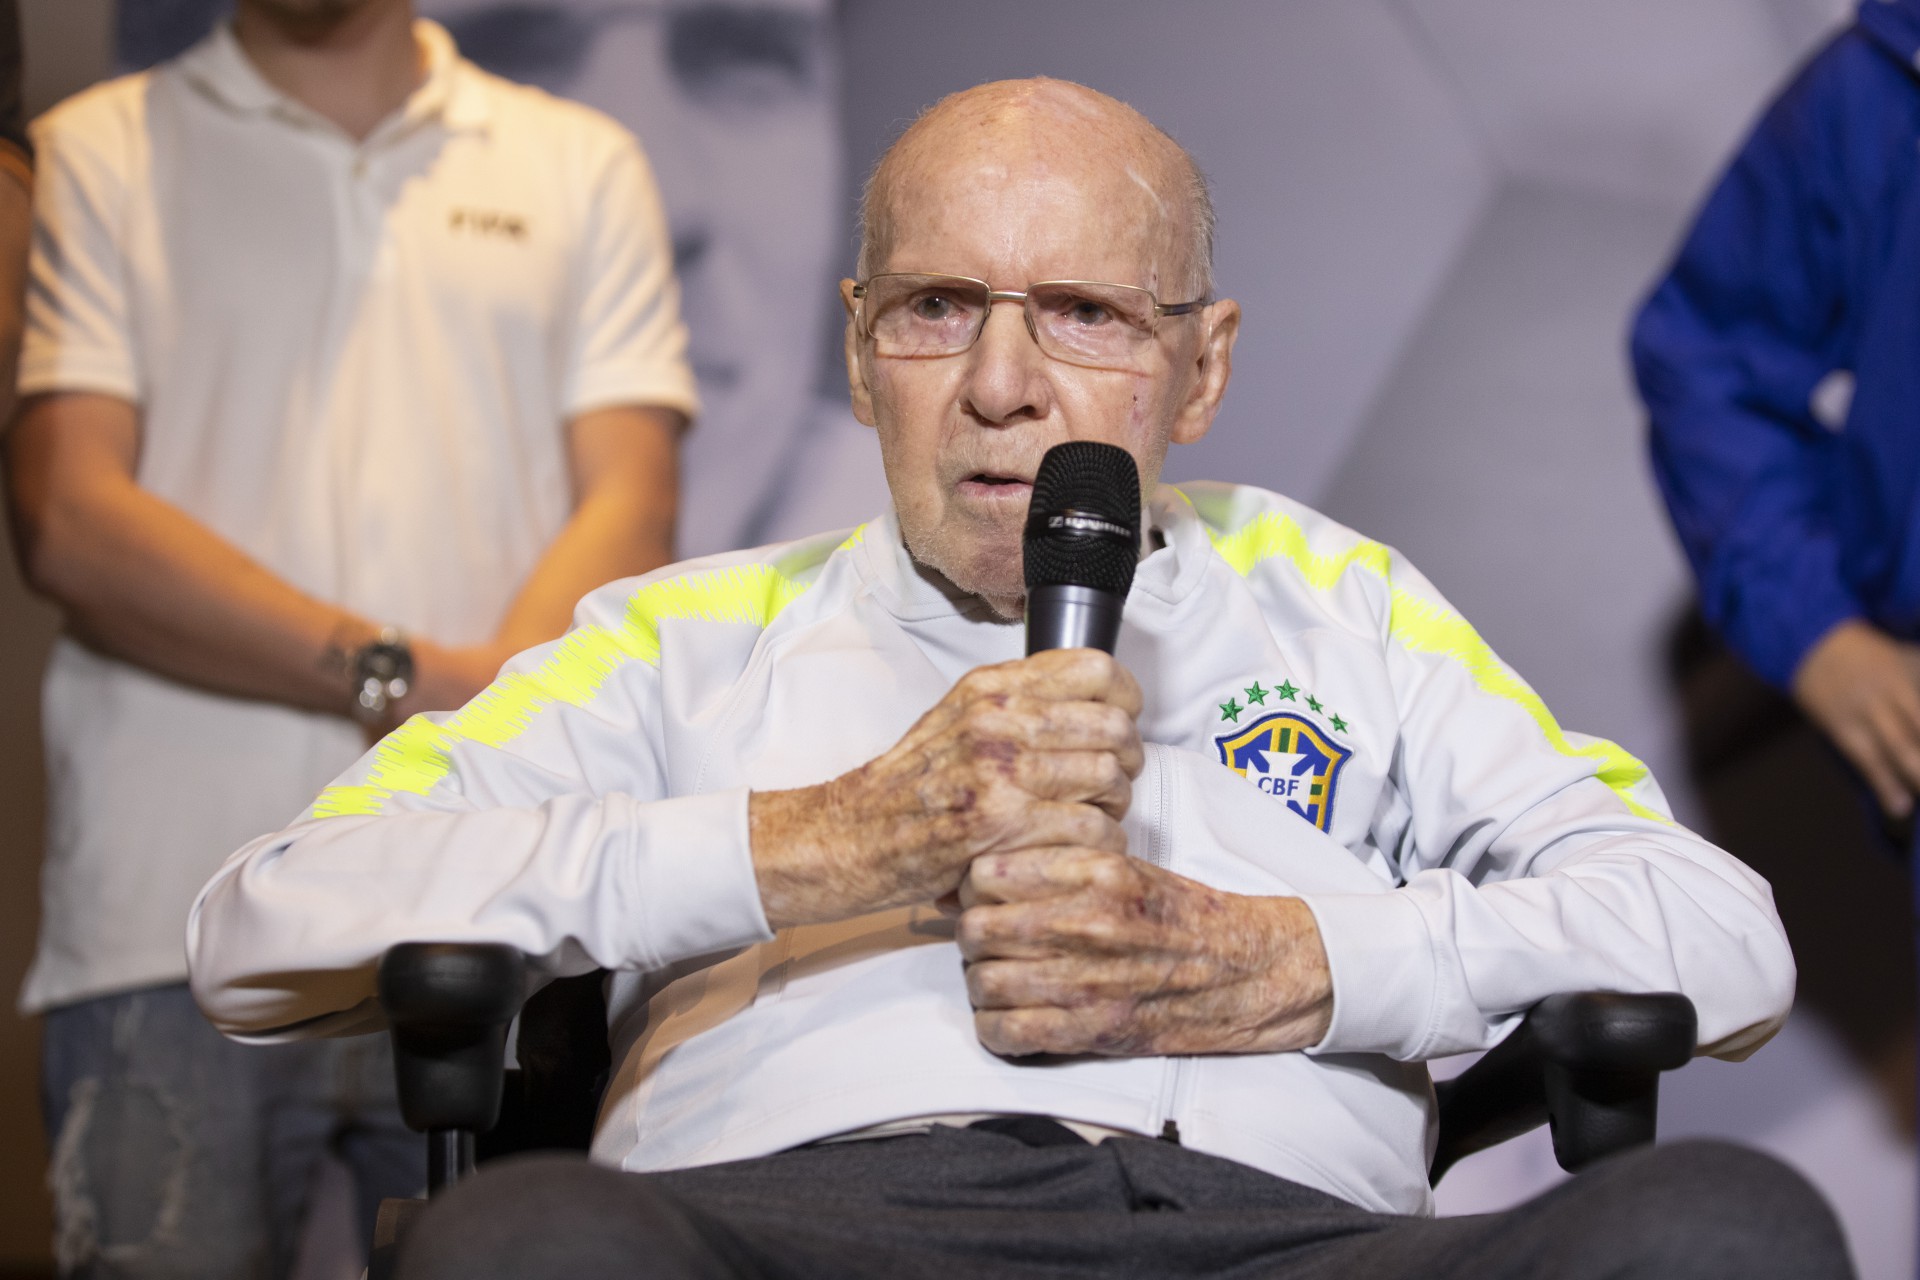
column 996, row 486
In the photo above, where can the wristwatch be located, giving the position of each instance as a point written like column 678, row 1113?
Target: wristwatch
column 382, row 671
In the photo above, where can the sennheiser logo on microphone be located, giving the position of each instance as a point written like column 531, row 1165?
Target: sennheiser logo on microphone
column 1081, row 522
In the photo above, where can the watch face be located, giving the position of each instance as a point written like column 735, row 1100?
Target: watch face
column 385, row 662
column 384, row 671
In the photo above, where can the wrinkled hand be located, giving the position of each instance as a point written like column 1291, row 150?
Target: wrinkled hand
column 1041, row 751
column 1862, row 688
column 1075, row 950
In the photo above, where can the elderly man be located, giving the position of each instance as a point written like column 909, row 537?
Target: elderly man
column 933, row 959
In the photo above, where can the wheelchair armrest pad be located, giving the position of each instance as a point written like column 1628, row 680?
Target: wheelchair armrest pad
column 1613, row 1032
column 451, row 984
column 449, row 1004
column 1612, row 1045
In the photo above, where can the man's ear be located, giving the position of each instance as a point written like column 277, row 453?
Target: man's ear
column 858, row 390
column 1213, row 366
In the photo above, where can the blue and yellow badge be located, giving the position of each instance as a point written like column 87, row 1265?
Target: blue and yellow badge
column 1289, row 757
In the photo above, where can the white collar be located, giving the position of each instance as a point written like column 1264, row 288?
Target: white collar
column 451, row 90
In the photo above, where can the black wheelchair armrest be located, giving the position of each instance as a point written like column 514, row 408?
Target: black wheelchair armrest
column 449, row 1005
column 1586, row 1063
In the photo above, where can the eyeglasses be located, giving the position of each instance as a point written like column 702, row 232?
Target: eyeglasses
column 1102, row 326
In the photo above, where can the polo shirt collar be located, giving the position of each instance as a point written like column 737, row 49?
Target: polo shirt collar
column 451, row 90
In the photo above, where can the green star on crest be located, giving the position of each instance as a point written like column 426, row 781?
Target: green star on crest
column 1230, row 710
column 1339, row 725
column 1314, row 703
column 1286, row 690
column 1256, row 694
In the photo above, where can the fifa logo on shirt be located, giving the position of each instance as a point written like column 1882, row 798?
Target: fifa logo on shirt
column 487, row 222
column 1291, row 759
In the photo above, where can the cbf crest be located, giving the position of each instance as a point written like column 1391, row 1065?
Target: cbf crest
column 1290, row 758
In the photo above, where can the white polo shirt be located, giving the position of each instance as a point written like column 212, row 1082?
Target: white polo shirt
column 354, row 360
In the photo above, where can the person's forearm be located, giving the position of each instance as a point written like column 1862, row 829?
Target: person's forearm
column 284, row 939
column 16, row 222
column 143, row 581
column 625, row 468
column 1442, row 966
column 612, row 534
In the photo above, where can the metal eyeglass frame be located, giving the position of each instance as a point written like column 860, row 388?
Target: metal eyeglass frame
column 1160, row 309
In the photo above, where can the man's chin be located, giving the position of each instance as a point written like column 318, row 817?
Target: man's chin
column 1005, row 594
column 994, row 575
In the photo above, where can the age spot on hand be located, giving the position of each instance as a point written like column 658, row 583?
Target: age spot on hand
column 999, row 750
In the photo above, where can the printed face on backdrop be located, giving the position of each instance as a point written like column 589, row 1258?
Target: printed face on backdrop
column 309, row 10
column 737, row 107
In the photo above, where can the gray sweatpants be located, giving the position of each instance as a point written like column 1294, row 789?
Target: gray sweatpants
column 976, row 1203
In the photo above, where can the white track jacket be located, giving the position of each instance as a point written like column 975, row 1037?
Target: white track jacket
column 1319, row 722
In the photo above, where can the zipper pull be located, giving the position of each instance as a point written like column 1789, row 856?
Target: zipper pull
column 1170, row 1132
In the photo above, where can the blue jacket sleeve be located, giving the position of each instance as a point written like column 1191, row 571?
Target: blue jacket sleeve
column 1727, row 352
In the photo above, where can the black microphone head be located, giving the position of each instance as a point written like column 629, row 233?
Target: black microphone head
column 1083, row 522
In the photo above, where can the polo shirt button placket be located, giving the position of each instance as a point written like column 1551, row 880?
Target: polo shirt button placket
column 372, row 226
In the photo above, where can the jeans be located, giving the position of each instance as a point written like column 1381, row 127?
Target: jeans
column 180, row 1153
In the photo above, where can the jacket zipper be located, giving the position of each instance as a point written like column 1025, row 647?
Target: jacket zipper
column 1159, row 852
column 1165, row 1127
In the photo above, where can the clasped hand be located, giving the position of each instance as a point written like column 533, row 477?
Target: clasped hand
column 1004, row 803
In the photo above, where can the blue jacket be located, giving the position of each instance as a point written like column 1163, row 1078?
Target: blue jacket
column 1804, row 261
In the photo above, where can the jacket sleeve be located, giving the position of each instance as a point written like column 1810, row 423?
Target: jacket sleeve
column 533, row 816
column 1727, row 353
column 1533, row 861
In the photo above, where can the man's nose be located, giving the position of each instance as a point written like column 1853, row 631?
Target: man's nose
column 1006, row 381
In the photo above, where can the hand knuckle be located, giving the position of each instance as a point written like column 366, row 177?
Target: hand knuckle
column 1003, row 1033
column 1100, row 929
column 974, row 931
column 979, row 720
column 997, row 983
column 986, row 1029
column 976, row 986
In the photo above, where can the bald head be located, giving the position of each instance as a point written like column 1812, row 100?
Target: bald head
column 1043, row 123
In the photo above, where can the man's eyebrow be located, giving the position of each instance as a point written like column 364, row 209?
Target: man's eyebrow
column 706, row 40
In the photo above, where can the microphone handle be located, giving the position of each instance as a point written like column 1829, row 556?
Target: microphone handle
column 1065, row 616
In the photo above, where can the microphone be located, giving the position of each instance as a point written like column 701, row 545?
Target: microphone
column 1081, row 543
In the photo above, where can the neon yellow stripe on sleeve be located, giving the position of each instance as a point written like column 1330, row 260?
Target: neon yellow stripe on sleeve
column 1269, row 534
column 414, row 758
column 1425, row 627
